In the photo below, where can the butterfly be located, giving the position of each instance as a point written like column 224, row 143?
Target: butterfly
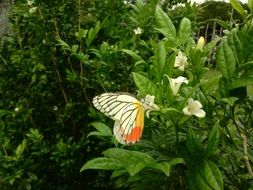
column 127, row 112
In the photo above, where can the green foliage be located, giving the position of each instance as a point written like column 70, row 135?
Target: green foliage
column 226, row 61
column 171, row 135
column 61, row 54
column 131, row 161
column 165, row 26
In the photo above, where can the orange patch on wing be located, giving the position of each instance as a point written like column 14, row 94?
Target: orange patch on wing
column 134, row 136
column 136, row 131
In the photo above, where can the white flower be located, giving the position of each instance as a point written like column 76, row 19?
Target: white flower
column 194, row 108
column 30, row 2
column 16, row 109
column 55, row 108
column 176, row 83
column 137, row 31
column 127, row 2
column 149, row 104
column 33, row 9
column 181, row 61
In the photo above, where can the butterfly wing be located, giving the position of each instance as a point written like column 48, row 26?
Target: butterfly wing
column 127, row 112
column 113, row 104
column 132, row 123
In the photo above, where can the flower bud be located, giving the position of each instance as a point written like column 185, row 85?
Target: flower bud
column 201, row 43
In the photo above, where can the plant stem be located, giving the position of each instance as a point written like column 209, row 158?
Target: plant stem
column 3, row 60
column 64, row 51
column 5, row 152
column 245, row 155
column 59, row 78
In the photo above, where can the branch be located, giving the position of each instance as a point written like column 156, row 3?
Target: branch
column 245, row 154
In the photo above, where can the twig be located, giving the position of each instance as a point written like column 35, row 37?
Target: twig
column 64, row 51
column 245, row 154
column 59, row 79
column 5, row 152
column 3, row 60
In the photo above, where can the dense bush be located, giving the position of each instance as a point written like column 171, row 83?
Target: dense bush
column 60, row 54
column 47, row 87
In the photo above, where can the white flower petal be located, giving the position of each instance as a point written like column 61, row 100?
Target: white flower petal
column 200, row 113
column 176, row 83
column 181, row 61
column 194, row 108
column 137, row 31
column 197, row 104
column 186, row 111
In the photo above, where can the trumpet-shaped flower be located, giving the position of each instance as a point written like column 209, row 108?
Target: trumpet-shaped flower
column 176, row 83
column 194, row 108
column 181, row 61
column 137, row 31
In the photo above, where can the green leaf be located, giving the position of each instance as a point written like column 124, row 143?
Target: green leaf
column 242, row 82
column 164, row 167
column 21, row 148
column 222, row 23
column 210, row 81
column 81, row 34
column 200, row 182
column 128, row 156
column 134, row 168
column 230, row 100
column 160, row 58
column 184, row 30
column 175, row 161
column 245, row 79
column 236, row 45
column 208, row 47
column 138, row 7
column 237, row 6
column 132, row 54
column 226, row 61
column 146, row 86
column 102, row 164
column 4, row 112
column 117, row 173
column 165, row 26
column 213, row 141
column 250, row 4
column 205, row 176
column 74, row 48
column 212, row 175
column 63, row 44
column 169, row 109
column 193, row 143
column 169, row 64
column 92, row 34
column 133, row 161
column 102, row 130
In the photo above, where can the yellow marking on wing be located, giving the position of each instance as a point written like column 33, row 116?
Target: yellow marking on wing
column 136, row 131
